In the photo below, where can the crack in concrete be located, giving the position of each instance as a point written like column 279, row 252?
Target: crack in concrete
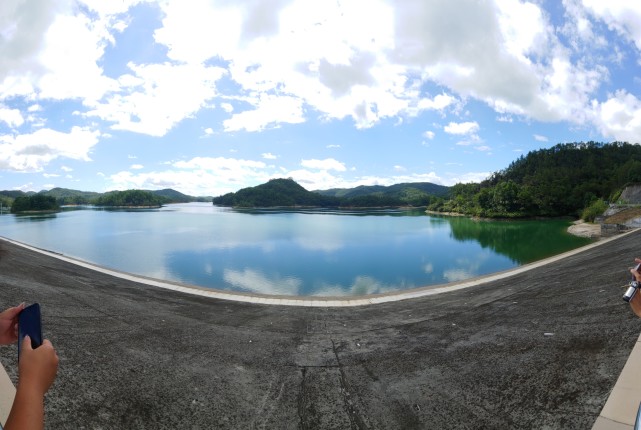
column 302, row 410
column 351, row 408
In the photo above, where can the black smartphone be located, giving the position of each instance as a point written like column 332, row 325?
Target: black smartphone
column 29, row 324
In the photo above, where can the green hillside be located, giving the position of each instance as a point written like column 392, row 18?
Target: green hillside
column 560, row 181
column 397, row 190
column 65, row 196
column 173, row 196
column 130, row 198
column 286, row 192
column 275, row 193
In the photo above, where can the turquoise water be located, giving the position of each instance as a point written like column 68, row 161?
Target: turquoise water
column 302, row 253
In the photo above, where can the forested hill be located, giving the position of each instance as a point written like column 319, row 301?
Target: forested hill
column 559, row 181
column 65, row 196
column 286, row 192
column 276, row 192
column 397, row 190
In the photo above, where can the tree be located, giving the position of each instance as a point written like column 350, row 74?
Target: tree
column 35, row 202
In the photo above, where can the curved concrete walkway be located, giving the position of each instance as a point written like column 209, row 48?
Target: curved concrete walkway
column 540, row 347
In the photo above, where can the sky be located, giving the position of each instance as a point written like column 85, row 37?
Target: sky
column 211, row 96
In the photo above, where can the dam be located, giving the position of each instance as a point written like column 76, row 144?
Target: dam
column 539, row 347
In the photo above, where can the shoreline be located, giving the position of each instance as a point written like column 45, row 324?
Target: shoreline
column 585, row 229
column 306, row 301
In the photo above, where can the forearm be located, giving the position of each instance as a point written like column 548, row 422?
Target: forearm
column 27, row 411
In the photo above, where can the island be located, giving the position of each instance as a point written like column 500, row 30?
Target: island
column 36, row 203
column 130, row 199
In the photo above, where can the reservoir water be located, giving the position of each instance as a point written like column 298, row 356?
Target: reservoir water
column 298, row 253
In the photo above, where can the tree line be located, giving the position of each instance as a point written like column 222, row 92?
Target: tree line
column 569, row 179
column 129, row 198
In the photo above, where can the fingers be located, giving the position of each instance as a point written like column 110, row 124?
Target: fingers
column 26, row 343
column 13, row 312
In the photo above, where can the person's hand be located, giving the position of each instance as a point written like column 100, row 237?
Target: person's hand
column 37, row 367
column 635, row 303
column 9, row 324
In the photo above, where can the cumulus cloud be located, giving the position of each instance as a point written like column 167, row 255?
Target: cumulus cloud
column 156, row 97
column 31, row 152
column 326, row 164
column 462, row 128
column 621, row 16
column 199, row 176
column 11, row 117
column 269, row 110
column 276, row 62
column 620, row 117
column 288, row 54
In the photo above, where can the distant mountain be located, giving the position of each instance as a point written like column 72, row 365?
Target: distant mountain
column 275, row 193
column 13, row 193
column 286, row 192
column 397, row 189
column 413, row 193
column 65, row 196
column 173, row 196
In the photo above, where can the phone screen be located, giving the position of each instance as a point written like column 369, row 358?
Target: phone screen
column 29, row 324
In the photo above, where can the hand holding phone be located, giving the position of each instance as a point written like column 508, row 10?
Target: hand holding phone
column 29, row 323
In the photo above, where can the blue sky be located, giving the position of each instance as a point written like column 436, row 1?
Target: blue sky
column 208, row 97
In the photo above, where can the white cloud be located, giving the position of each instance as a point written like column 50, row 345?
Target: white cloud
column 466, row 178
column 137, row 166
column 199, row 176
column 157, row 97
column 270, row 111
column 283, row 55
column 326, row 164
column 269, row 156
column 429, row 135
column 619, row 117
column 540, row 138
column 621, row 16
column 439, row 102
column 462, row 128
column 32, row 152
column 11, row 117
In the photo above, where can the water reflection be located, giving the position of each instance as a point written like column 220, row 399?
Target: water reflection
column 309, row 252
column 521, row 241
column 257, row 282
column 35, row 217
column 399, row 212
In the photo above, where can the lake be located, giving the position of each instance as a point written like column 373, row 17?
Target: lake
column 295, row 253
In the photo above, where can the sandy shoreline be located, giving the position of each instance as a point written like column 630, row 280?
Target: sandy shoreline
column 584, row 229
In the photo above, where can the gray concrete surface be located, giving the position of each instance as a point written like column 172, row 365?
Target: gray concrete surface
column 541, row 349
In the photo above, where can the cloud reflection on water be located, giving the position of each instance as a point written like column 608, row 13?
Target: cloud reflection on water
column 257, row 282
